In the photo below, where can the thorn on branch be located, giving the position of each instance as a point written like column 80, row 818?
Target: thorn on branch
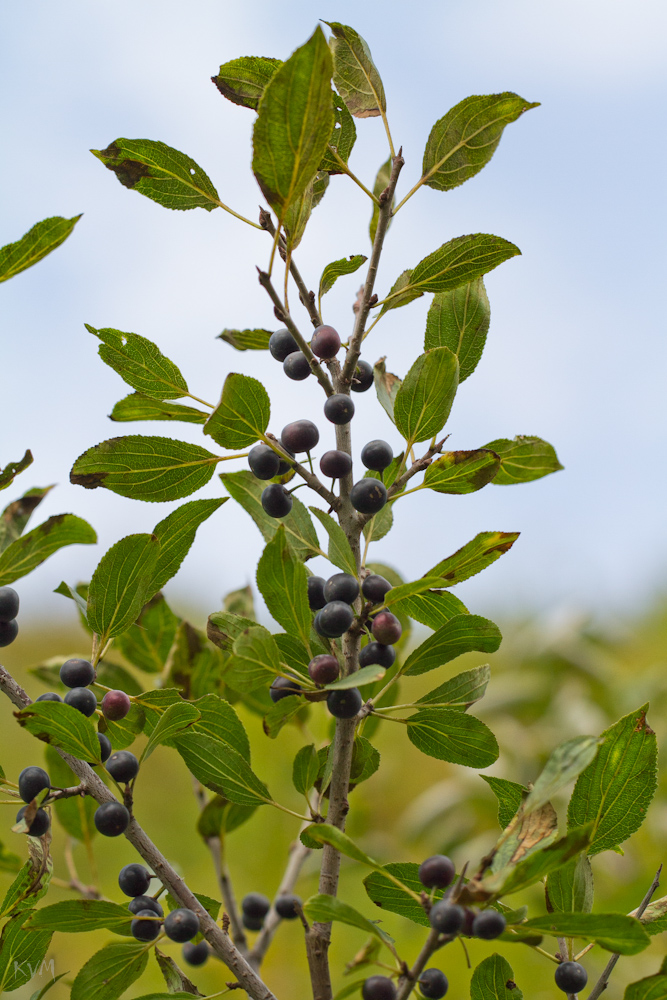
column 279, row 314
column 226, row 921
column 264, row 218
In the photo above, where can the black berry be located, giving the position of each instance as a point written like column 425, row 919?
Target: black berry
column 145, row 903
column 276, row 500
column 123, row 766
column 263, row 461
column 345, row 704
column 9, row 604
column 334, row 619
column 252, row 923
column 255, row 905
column 378, row 988
column 282, row 343
column 111, row 819
column 31, row 781
column 335, row 464
column 181, row 925
column 195, row 954
column 8, row 632
column 115, row 705
column 324, row 669
column 339, row 409
column 447, row 917
column 40, row 823
column 82, row 699
column 286, row 907
column 570, row 977
column 375, row 652
column 375, row 587
column 437, row 872
column 146, row 929
column 285, row 465
column 296, row 366
column 300, row 435
column 368, row 496
column 386, row 628
column 49, row 696
column 363, row 377
column 488, row 924
column 77, row 673
column 377, row 455
column 316, row 598
column 283, row 687
column 134, row 880
column 341, row 587
column 325, row 343
column 433, row 983
column 105, row 746
column 469, row 916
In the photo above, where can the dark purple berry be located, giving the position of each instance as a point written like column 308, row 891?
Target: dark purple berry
column 77, row 673
column 378, row 988
column 286, row 907
column 263, row 462
column 82, row 699
column 324, row 669
column 447, row 917
column 433, row 984
column 325, row 343
column 345, row 704
column 296, row 366
column 341, row 587
column 40, row 823
column 437, row 872
column 335, row 464
column 145, row 926
column 376, row 652
column 252, row 923
column 316, row 598
column 9, row 604
column 488, row 924
column 285, row 465
column 334, row 619
column 339, row 409
column 469, row 916
column 105, row 746
column 255, row 905
column 283, row 687
column 386, row 628
column 368, row 496
column 281, row 344
column 196, row 954
column 145, row 903
column 134, row 879
column 49, row 696
column 8, row 632
column 123, row 766
column 115, row 705
column 31, row 782
column 111, row 819
column 377, row 455
column 276, row 500
column 375, row 587
column 300, row 435
column 181, row 925
column 570, row 977
column 363, row 377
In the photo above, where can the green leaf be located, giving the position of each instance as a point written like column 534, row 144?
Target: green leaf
column 75, row 815
column 220, row 768
column 405, row 590
column 282, row 581
column 161, row 173
column 294, row 124
column 39, row 241
column 305, row 769
column 462, row 471
column 367, row 675
column 461, row 691
column 365, row 761
column 472, row 558
column 324, row 833
column 212, row 906
column 242, row 415
column 246, row 340
column 461, row 634
column 40, row 994
column 220, row 816
column 74, row 916
column 147, row 643
column 155, row 703
column 381, row 182
column 110, row 971
column 29, row 551
column 565, row 763
column 280, row 714
column 219, row 721
column 121, row 585
column 616, row 788
column 9, row 862
column 433, row 608
column 459, row 319
column 386, row 387
column 453, row 736
column 523, row 459
column 613, row 931
column 510, row 796
column 123, row 733
column 335, row 270
column 493, row 979
column 342, row 139
column 140, row 363
column 426, row 395
column 464, row 140
column 154, row 469
column 569, row 889
column 175, row 978
column 174, row 720
column 651, row 988
column 13, row 469
column 355, row 75
column 294, row 653
column 31, row 883
column 255, row 661
column 349, row 990
column 224, row 627
column 63, row 726
column 301, row 537
column 401, row 292
column 243, row 81
column 340, row 553
column 20, row 953
column 175, row 535
column 297, row 216
column 139, row 407
column 516, row 877
column 325, row 908
column 386, row 894
column 16, row 515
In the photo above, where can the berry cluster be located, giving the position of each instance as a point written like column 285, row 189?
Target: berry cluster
column 9, row 609
column 180, row 925
column 255, row 906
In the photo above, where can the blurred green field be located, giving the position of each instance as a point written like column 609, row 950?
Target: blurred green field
column 550, row 681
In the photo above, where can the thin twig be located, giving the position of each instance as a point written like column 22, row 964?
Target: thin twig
column 313, row 481
column 297, row 856
column 307, row 297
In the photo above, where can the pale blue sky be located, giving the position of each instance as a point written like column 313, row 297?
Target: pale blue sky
column 576, row 351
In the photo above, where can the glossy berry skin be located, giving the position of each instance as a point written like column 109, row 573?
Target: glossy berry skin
column 339, row 409
column 111, row 819
column 105, row 746
column 368, row 496
column 386, row 628
column 334, row 619
column 145, row 903
column 437, row 872
column 570, row 977
column 341, row 587
column 281, row 344
column 488, row 924
column 40, row 823
column 263, row 462
column 300, row 435
column 433, row 984
column 181, row 925
column 377, row 455
column 8, row 632
column 148, row 928
column 123, row 766
column 49, row 696
column 376, row 652
column 447, row 917
column 286, row 907
column 316, row 599
column 335, row 464
column 325, row 343
column 9, row 604
column 375, row 587
column 296, row 366
column 378, row 988
column 77, row 673
column 82, row 699
column 324, row 669
column 31, row 781
column 362, row 379
column 196, row 954
column 276, row 501
column 345, row 704
column 255, row 905
column 283, row 687
column 115, row 705
column 134, row 880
